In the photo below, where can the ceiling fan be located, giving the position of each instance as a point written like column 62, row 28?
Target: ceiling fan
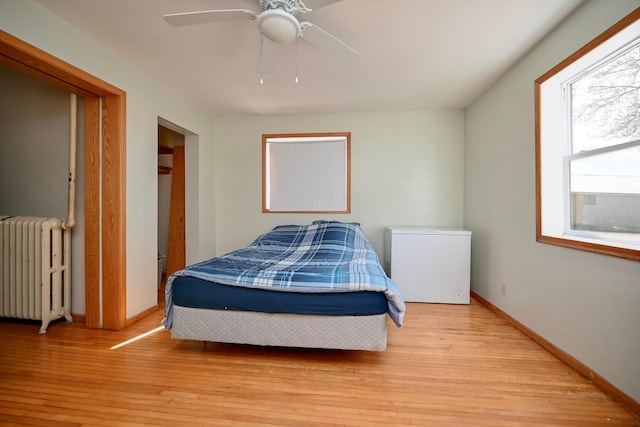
column 278, row 25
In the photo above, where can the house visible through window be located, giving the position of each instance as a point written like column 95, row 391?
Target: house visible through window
column 588, row 146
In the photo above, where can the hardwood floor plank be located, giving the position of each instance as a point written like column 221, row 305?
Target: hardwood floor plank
column 449, row 365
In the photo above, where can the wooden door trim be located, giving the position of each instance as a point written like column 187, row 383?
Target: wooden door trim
column 114, row 305
column 92, row 299
column 109, row 144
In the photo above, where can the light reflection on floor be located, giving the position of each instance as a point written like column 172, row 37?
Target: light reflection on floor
column 146, row 334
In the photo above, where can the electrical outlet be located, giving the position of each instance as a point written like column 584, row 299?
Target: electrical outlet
column 503, row 288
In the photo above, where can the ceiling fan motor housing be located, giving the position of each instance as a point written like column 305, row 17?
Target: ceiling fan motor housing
column 279, row 26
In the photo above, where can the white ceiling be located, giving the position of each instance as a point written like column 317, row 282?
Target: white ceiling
column 414, row 54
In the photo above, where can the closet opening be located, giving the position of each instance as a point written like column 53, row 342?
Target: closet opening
column 104, row 176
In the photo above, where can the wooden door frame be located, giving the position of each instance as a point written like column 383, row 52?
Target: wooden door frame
column 104, row 210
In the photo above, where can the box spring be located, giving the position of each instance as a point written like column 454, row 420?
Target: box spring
column 281, row 329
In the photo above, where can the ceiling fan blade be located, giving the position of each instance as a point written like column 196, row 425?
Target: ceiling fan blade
column 325, row 41
column 208, row 16
column 268, row 56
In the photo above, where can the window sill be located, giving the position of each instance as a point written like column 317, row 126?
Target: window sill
column 626, row 250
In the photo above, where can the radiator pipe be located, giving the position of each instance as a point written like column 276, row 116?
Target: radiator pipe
column 72, row 161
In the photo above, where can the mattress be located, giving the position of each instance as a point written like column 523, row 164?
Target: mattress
column 197, row 293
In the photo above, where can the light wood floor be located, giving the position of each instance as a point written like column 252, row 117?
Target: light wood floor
column 450, row 365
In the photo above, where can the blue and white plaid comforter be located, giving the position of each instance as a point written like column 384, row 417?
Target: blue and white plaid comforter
column 326, row 256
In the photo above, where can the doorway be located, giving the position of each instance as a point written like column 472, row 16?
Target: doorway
column 105, row 169
column 171, row 203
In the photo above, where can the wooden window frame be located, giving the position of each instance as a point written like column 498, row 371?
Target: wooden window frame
column 293, row 136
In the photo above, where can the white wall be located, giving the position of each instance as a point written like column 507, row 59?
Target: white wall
column 147, row 100
column 34, row 146
column 586, row 304
column 406, row 169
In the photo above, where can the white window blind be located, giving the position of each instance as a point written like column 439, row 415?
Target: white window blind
column 306, row 173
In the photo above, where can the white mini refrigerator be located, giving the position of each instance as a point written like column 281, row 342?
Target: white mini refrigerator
column 429, row 264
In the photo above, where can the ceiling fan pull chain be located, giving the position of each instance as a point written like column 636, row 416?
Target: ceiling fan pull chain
column 259, row 66
column 296, row 80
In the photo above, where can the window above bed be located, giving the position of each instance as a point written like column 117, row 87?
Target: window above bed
column 306, row 173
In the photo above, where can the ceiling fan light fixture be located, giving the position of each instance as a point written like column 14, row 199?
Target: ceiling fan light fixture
column 278, row 26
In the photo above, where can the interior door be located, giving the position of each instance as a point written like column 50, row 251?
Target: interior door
column 176, row 254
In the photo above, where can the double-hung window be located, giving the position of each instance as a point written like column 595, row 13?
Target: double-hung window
column 588, row 145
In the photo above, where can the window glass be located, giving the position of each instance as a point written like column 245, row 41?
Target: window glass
column 605, row 192
column 605, row 102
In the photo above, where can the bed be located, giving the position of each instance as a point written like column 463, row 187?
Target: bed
column 315, row 286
